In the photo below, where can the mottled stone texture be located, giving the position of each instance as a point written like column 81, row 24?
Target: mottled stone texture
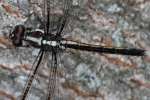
column 83, row 75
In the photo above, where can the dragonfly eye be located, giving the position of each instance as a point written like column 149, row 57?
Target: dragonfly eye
column 17, row 35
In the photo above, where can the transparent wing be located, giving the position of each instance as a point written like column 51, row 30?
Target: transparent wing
column 52, row 77
column 46, row 16
column 56, row 15
column 65, row 18
column 54, row 70
column 32, row 74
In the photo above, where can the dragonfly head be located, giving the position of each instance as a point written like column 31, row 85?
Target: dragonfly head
column 17, row 35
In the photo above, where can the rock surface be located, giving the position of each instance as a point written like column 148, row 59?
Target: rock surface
column 83, row 75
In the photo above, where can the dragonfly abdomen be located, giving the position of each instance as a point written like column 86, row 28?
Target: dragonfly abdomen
column 108, row 50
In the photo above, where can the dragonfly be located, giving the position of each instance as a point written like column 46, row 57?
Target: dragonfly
column 51, row 39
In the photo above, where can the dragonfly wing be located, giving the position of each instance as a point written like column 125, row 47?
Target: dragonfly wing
column 53, row 71
column 65, row 18
column 46, row 15
column 32, row 75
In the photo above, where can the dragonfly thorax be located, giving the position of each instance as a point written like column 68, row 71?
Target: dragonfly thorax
column 50, row 43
